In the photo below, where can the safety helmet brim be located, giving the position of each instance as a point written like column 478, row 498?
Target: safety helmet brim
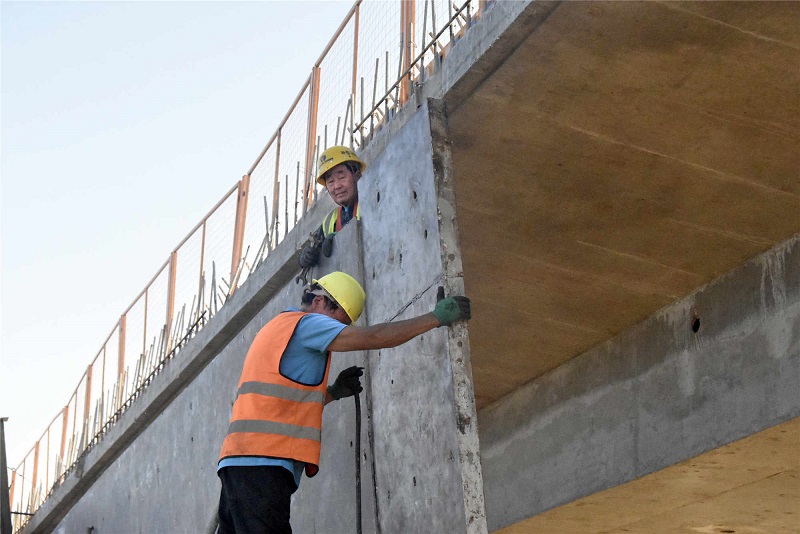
column 334, row 156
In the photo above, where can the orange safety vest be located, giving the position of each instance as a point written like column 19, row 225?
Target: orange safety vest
column 273, row 415
column 332, row 223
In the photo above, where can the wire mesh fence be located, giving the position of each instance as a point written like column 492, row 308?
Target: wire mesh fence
column 362, row 78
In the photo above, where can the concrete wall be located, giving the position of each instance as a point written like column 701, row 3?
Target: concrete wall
column 653, row 396
column 415, row 438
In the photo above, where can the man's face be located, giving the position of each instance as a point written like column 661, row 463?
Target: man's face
column 341, row 185
column 318, row 305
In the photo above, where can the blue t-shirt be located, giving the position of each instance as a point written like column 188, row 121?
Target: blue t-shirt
column 303, row 361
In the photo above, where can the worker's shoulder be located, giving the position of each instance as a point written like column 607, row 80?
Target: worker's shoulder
column 318, row 320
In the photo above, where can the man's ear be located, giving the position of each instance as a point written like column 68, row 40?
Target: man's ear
column 315, row 302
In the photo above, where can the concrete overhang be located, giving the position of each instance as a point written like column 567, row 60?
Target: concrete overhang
column 621, row 156
column 624, row 155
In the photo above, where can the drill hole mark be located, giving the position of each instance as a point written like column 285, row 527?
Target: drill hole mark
column 379, row 196
column 415, row 194
column 695, row 321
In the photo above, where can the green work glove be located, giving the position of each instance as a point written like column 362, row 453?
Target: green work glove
column 451, row 309
column 347, row 383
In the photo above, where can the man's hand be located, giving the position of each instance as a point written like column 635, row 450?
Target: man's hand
column 327, row 246
column 347, row 383
column 451, row 309
column 309, row 256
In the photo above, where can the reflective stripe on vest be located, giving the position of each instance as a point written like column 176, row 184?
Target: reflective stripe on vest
column 332, row 222
column 271, row 427
column 272, row 415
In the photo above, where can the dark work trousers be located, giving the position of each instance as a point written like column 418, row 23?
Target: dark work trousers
column 255, row 500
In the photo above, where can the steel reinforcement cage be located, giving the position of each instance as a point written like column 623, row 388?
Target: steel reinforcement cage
column 365, row 74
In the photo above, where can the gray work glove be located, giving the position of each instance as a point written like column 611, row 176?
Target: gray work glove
column 327, row 246
column 309, row 256
column 347, row 383
column 451, row 309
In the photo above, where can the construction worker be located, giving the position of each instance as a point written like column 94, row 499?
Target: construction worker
column 339, row 169
column 275, row 428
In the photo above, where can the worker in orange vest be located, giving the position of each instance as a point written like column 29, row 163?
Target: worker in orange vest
column 276, row 425
column 339, row 169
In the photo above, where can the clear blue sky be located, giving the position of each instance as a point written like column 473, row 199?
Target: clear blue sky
column 123, row 123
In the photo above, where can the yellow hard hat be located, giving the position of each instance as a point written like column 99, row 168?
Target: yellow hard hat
column 346, row 291
column 332, row 157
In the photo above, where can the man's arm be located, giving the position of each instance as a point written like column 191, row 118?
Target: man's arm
column 387, row 335
column 384, row 335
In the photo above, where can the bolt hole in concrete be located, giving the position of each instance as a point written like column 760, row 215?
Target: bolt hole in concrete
column 379, row 196
column 695, row 320
column 415, row 195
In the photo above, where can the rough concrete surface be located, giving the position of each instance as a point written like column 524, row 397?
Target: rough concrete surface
column 416, row 445
column 653, row 396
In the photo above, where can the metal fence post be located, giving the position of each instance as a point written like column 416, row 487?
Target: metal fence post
column 173, row 272
column 408, row 13
column 5, row 499
column 123, row 330
column 353, row 90
column 276, row 188
column 64, row 425
column 238, row 229
column 11, row 488
column 87, row 402
column 35, row 477
column 311, row 133
column 200, row 274
column 144, row 326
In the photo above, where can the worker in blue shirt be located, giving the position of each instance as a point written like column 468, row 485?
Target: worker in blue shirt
column 276, row 423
